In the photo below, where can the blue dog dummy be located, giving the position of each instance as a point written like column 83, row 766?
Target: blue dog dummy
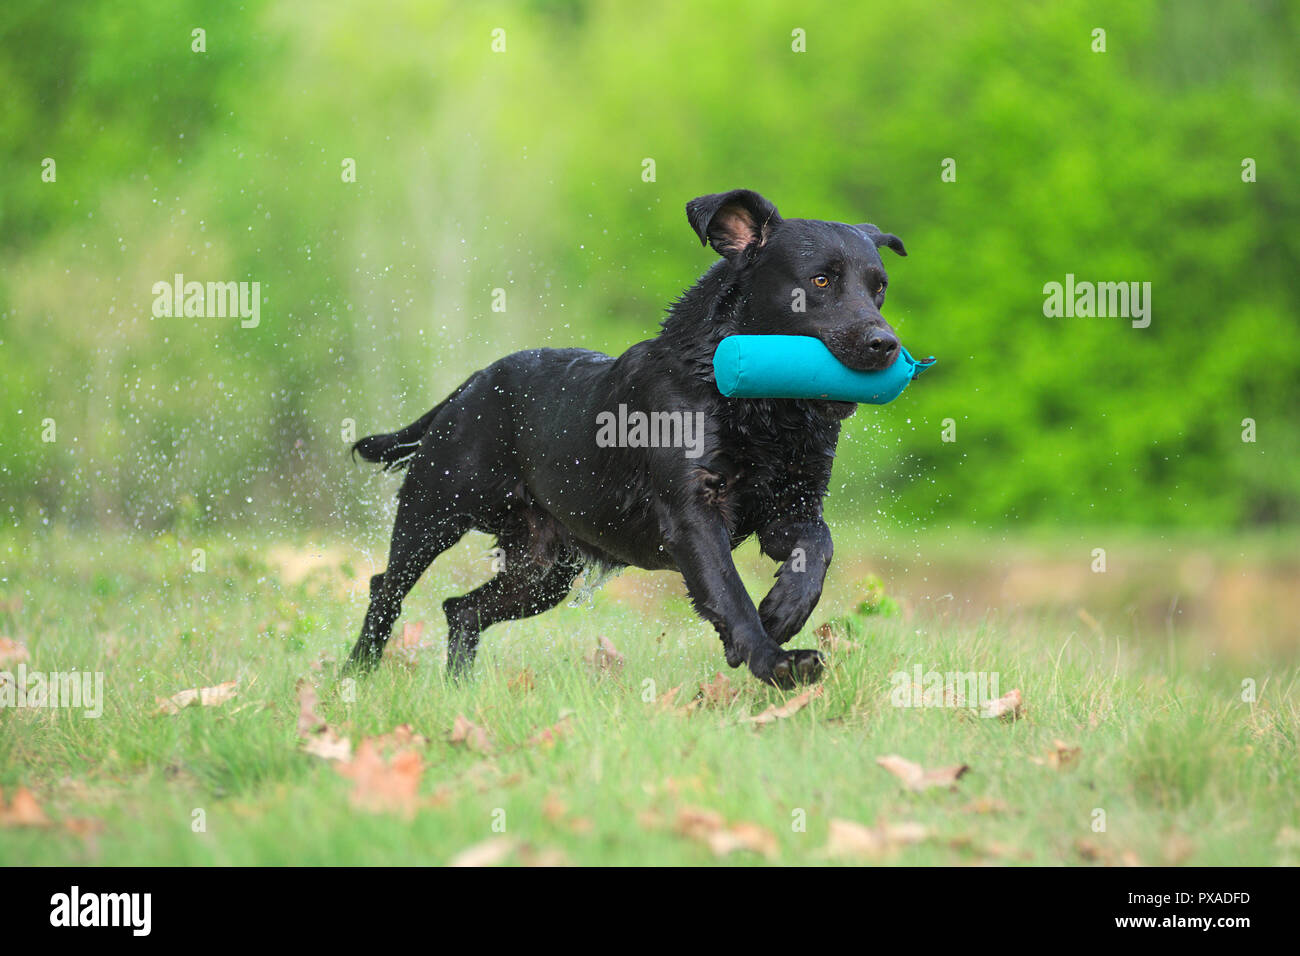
column 799, row 366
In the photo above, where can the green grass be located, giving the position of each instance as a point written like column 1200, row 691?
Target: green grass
column 1184, row 770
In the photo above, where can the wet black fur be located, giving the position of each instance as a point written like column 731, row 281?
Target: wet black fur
column 513, row 451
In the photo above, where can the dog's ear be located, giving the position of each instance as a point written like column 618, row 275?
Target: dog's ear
column 882, row 238
column 732, row 222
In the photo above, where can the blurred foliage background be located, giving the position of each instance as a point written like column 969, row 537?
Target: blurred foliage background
column 522, row 170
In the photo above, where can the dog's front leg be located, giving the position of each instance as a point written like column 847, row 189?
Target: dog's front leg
column 804, row 547
column 698, row 541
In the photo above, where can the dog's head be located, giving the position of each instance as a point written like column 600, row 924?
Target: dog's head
column 802, row 276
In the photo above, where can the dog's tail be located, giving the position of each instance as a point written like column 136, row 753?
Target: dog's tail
column 396, row 449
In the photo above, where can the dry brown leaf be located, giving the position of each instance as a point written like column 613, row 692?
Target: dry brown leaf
column 498, row 850
column 1287, row 838
column 1061, row 756
column 12, row 652
column 325, row 664
column 985, row 805
column 542, row 858
column 553, row 808
column 650, row 818
column 22, row 811
column 549, row 736
column 606, row 657
column 710, row 828
column 916, row 777
column 401, row 737
column 83, row 827
column 317, row 737
column 845, row 838
column 488, row 853
column 1007, row 851
column 1097, row 853
column 1177, row 847
column 667, row 700
column 309, row 722
column 1089, row 850
column 1008, row 705
column 470, row 735
column 717, row 693
column 828, row 639
column 792, row 706
column 203, row 696
column 676, row 785
column 380, row 785
column 406, row 649
column 522, row 683
column 328, row 745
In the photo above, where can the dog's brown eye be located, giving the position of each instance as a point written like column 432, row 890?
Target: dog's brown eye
column 821, row 282
column 880, row 288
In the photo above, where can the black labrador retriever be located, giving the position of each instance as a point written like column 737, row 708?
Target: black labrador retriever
column 574, row 459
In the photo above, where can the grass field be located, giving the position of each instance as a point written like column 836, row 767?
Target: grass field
column 564, row 759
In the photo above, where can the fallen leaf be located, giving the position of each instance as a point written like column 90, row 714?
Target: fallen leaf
column 1061, row 756
column 1088, row 850
column 203, row 696
column 309, row 722
column 83, row 827
column 710, row 828
column 985, row 805
column 792, row 706
column 1008, row 705
column 317, row 737
column 1177, row 847
column 549, row 736
column 328, row 745
column 542, row 858
column 401, row 737
column 470, row 735
column 12, row 652
column 488, row 853
column 674, row 785
column 406, row 649
column 1097, row 853
column 383, row 785
column 22, row 811
column 553, row 808
column 845, row 838
column 606, row 657
column 667, row 700
column 1288, row 838
column 916, row 777
column 717, row 693
column 1092, row 622
column 650, row 818
column 828, row 639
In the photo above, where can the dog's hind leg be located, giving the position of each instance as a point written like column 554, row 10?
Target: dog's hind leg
column 422, row 531
column 523, row 589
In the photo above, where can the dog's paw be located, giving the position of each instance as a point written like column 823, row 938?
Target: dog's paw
column 796, row 667
column 787, row 607
column 734, row 657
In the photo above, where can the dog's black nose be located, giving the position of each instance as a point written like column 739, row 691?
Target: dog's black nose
column 867, row 347
column 882, row 344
